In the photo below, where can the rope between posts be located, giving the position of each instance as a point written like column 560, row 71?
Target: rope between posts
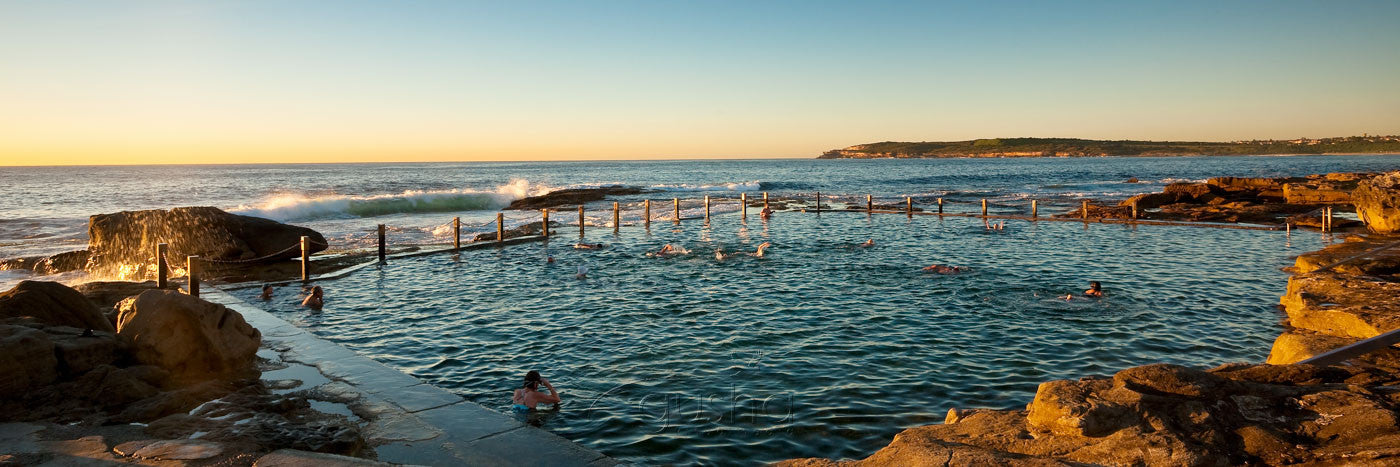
column 258, row 259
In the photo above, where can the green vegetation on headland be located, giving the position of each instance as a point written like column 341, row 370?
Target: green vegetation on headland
column 1071, row 147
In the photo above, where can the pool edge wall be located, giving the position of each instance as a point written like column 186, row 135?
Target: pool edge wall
column 416, row 422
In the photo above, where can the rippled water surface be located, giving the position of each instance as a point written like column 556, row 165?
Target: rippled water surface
column 820, row 348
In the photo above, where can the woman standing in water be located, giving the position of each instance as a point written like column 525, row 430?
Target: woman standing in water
column 529, row 395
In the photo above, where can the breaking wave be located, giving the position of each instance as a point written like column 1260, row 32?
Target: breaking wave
column 296, row 206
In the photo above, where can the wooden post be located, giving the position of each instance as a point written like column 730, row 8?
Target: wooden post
column 765, row 200
column 744, row 205
column 306, row 253
column 1084, row 211
column 456, row 233
column 580, row 221
column 707, row 209
column 819, row 202
column 617, row 217
column 162, row 269
column 869, row 204
column 940, row 205
column 1135, row 210
column 677, row 203
column 1035, row 212
column 984, row 207
column 909, row 206
column 1327, row 221
column 381, row 244
column 192, row 273
column 544, row 222
column 646, row 212
column 500, row 227
column 1288, row 228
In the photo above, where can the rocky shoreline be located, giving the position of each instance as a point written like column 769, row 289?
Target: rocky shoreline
column 1279, row 412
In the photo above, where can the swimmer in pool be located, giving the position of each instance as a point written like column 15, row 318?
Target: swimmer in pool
column 941, row 269
column 668, row 250
column 528, row 395
column 588, row 246
column 582, row 273
column 766, row 213
column 868, row 243
column 549, row 259
column 1095, row 290
column 1068, row 297
column 720, row 256
column 266, row 292
column 316, row 300
column 761, row 247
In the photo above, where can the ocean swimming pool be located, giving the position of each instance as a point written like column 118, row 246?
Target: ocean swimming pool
column 821, row 348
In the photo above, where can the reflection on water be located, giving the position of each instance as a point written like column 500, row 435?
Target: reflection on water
column 821, row 348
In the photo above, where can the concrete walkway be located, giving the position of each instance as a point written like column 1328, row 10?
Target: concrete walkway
column 409, row 421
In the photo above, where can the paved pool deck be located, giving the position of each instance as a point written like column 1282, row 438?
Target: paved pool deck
column 409, row 422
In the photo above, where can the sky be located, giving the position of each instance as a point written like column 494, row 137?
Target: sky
column 150, row 82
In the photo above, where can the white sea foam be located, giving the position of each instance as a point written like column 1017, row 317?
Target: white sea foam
column 298, row 206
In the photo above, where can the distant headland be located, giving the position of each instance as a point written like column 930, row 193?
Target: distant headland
column 1073, row 147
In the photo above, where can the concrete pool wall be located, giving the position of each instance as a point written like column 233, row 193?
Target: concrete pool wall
column 407, row 421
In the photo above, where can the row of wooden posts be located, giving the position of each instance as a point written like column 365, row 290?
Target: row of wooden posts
column 192, row 262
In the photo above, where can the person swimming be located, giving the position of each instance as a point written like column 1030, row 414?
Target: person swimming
column 762, row 246
column 669, row 250
column 720, row 256
column 868, row 243
column 1095, row 290
column 315, row 300
column 528, row 395
column 266, row 292
column 765, row 213
column 942, row 269
column 549, row 259
column 588, row 246
column 581, row 273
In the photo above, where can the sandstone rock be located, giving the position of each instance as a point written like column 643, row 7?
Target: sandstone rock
column 187, row 336
column 1378, row 203
column 52, row 303
column 1248, row 183
column 179, row 449
column 571, row 197
column 1342, row 306
column 167, row 403
column 1150, row 200
column 130, row 237
column 1168, row 379
column 1065, row 408
column 27, row 360
column 295, row 458
column 1324, row 194
column 112, row 387
column 1194, row 191
column 106, row 294
column 79, row 352
column 1296, row 345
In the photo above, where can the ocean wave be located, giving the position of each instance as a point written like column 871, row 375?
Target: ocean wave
column 296, row 206
column 734, row 186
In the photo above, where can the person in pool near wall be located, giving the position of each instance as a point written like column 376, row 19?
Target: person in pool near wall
column 765, row 213
column 1095, row 290
column 316, row 299
column 266, row 292
column 528, row 395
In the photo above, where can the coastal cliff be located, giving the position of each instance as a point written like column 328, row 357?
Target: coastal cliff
column 1074, row 147
column 1280, row 412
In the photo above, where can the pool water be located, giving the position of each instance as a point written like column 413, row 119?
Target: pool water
column 820, row 348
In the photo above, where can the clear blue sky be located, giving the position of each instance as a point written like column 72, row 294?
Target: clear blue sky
column 165, row 81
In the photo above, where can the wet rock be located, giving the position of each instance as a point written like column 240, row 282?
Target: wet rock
column 179, row 449
column 45, row 265
column 527, row 230
column 106, row 294
column 1167, row 379
column 188, row 337
column 1249, row 183
column 1297, row 345
column 52, row 303
column 570, row 197
column 295, row 458
column 130, row 237
column 27, row 360
column 1200, row 192
column 1342, row 305
column 178, row 401
column 1378, row 202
